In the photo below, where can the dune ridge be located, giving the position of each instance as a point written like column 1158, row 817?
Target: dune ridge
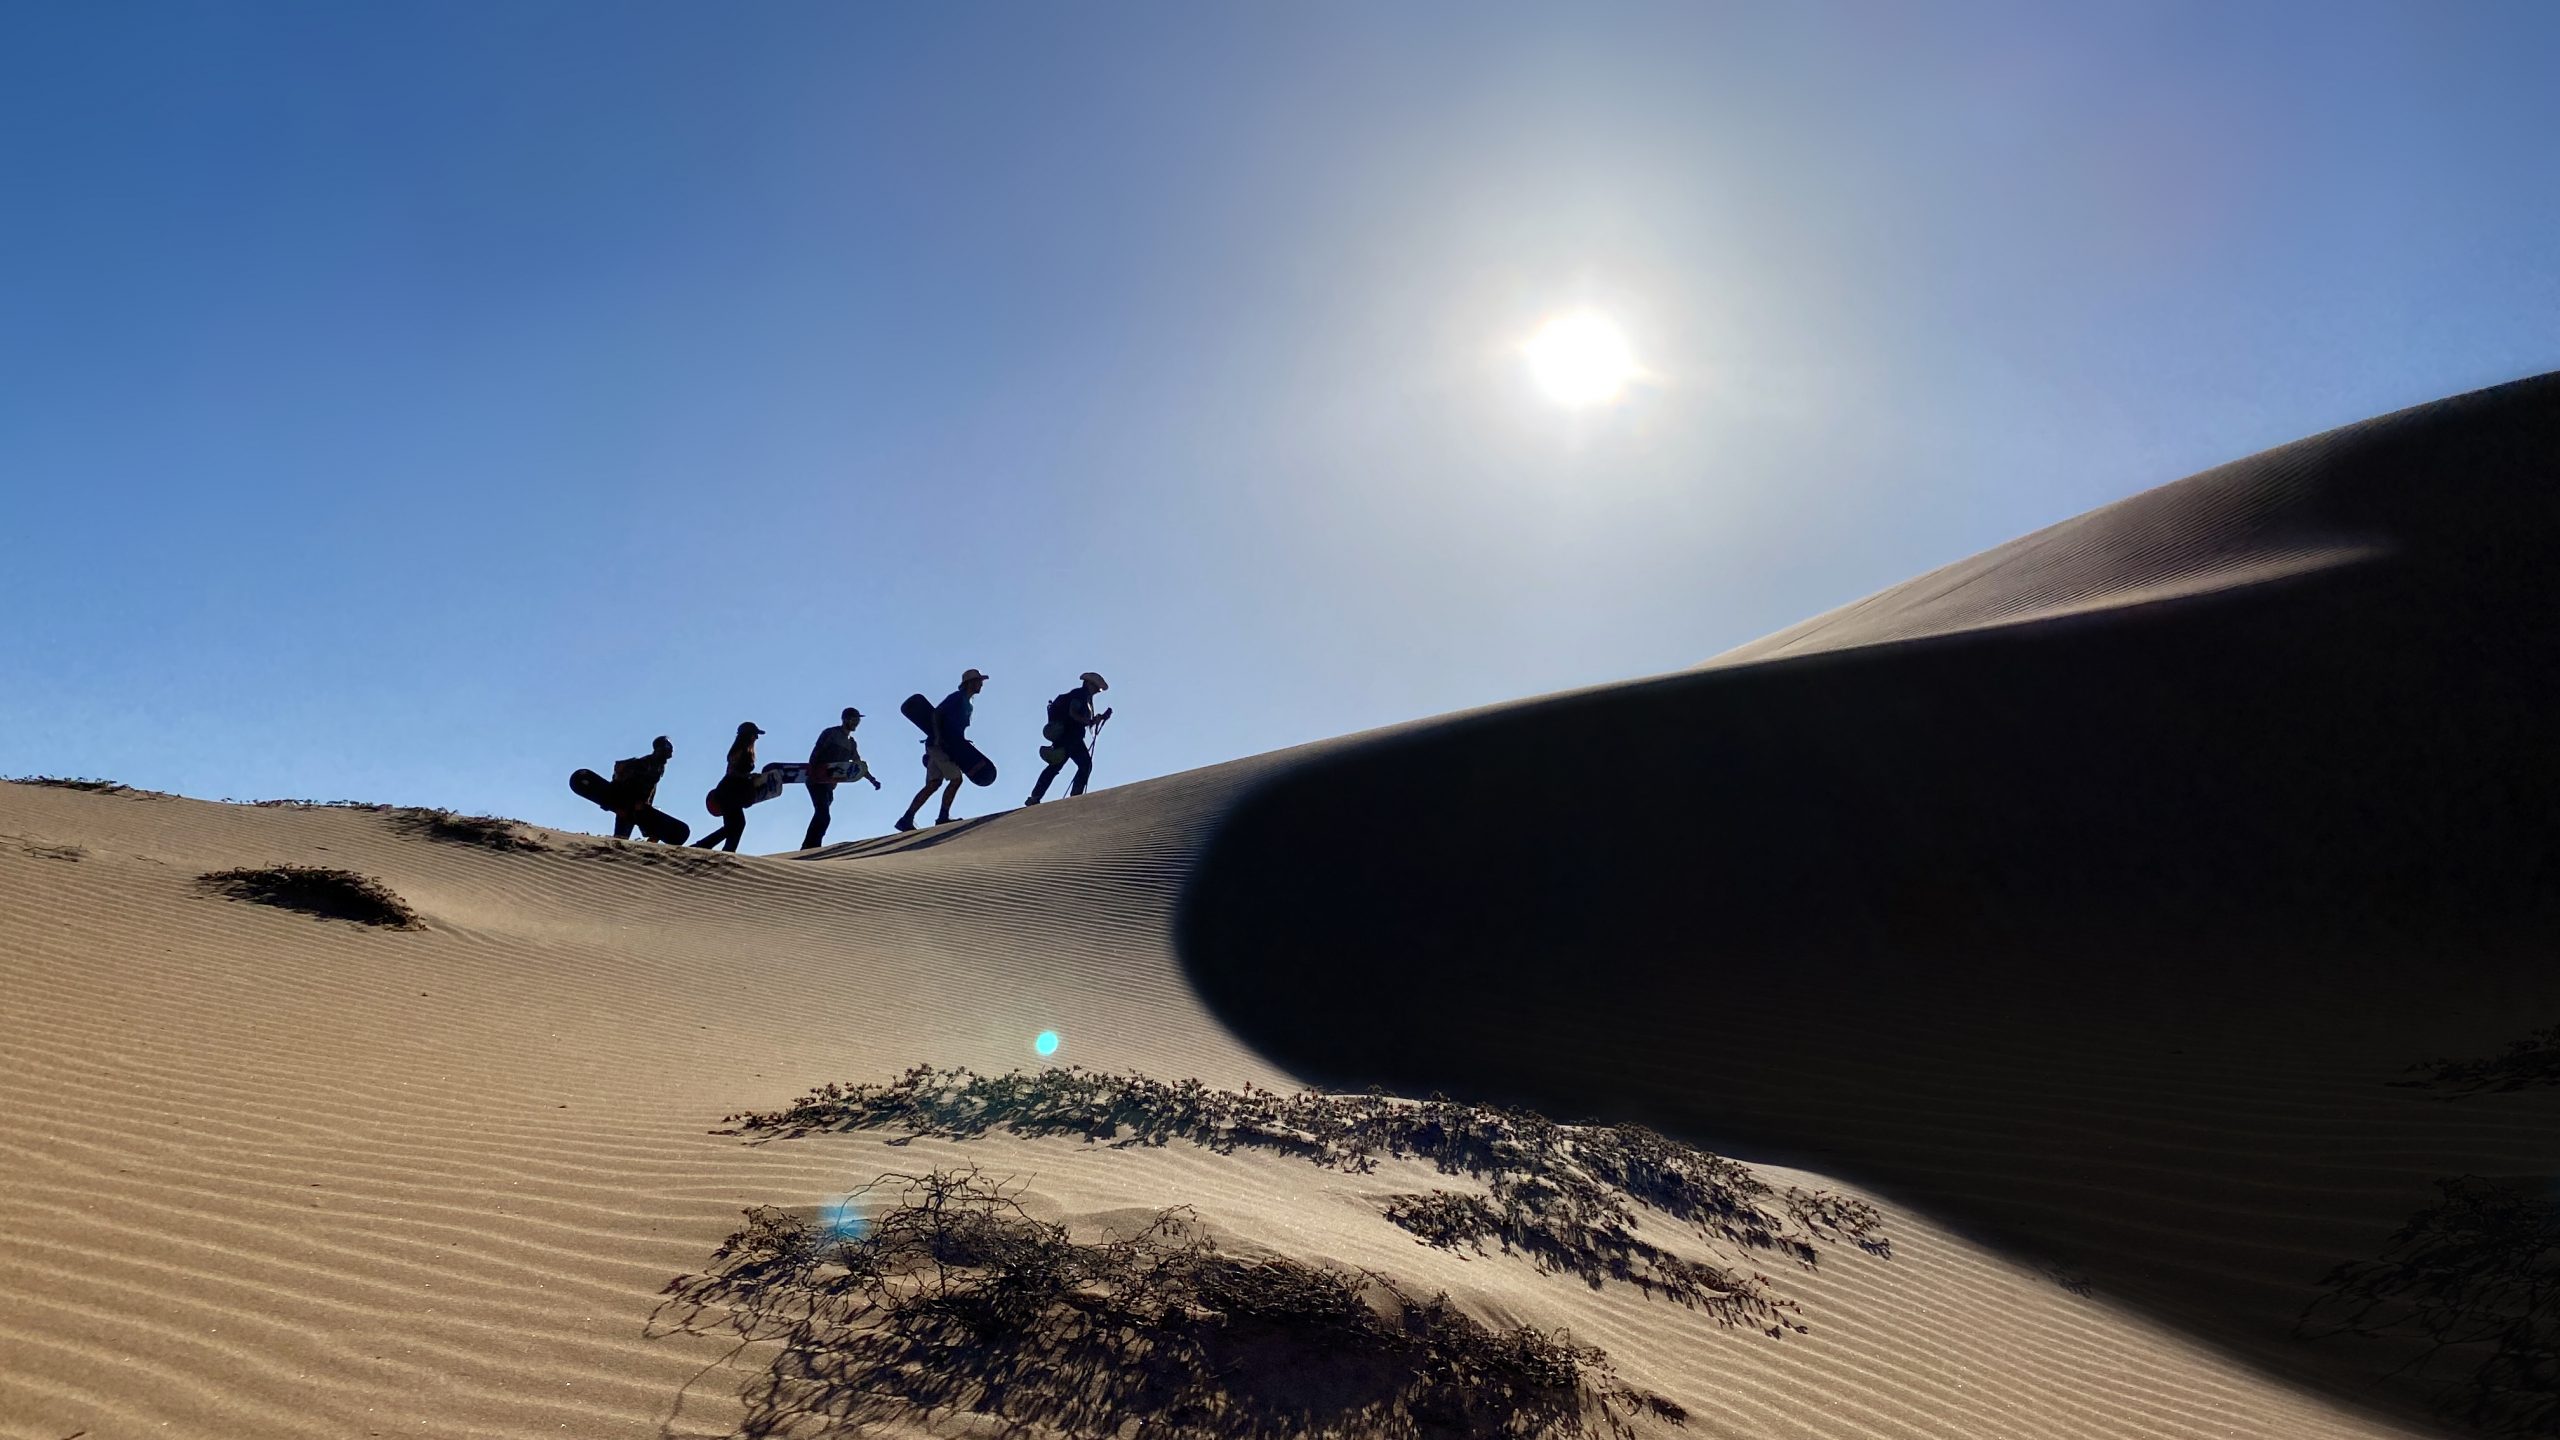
column 268, row 1174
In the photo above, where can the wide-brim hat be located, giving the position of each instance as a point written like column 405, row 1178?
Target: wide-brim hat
column 1094, row 679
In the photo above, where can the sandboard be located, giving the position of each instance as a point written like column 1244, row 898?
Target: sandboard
column 653, row 822
column 972, row 761
column 785, row 773
column 768, row 783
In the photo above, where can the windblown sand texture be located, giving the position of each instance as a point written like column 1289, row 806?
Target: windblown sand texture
column 2079, row 904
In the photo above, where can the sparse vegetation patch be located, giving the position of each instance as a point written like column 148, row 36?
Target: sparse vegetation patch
column 2525, row 1064
column 953, row 1299
column 290, row 804
column 316, row 890
column 489, row 832
column 94, row 787
column 1566, row 1197
column 2474, row 1283
column 44, row 850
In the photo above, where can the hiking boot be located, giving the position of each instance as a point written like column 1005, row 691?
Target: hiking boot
column 943, row 819
column 905, row 824
column 1034, row 800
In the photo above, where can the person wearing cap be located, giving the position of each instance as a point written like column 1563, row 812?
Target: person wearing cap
column 835, row 747
column 635, row 784
column 736, row 790
column 950, row 727
column 1071, row 717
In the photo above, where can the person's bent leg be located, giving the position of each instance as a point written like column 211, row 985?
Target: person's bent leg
column 1083, row 756
column 622, row 827
column 950, row 792
column 932, row 782
column 1041, row 786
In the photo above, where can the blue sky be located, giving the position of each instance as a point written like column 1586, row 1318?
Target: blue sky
column 415, row 402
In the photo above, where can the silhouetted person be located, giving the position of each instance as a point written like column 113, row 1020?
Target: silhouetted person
column 950, row 727
column 1071, row 717
column 835, row 747
column 736, row 791
column 635, row 784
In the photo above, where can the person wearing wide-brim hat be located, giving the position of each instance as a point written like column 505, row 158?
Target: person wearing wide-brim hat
column 736, row 790
column 1071, row 719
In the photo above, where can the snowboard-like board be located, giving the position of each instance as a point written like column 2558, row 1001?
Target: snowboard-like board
column 768, row 782
column 653, row 822
column 972, row 761
column 786, row 773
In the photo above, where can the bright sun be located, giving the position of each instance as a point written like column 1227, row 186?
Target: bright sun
column 1581, row 359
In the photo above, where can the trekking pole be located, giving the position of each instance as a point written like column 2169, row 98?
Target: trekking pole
column 1093, row 747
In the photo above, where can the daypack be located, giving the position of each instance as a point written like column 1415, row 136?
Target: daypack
column 1061, row 719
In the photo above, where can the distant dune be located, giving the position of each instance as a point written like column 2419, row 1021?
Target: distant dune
column 2079, row 906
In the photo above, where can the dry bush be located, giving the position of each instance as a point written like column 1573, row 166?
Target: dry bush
column 2474, row 1285
column 2525, row 1064
column 1566, row 1197
column 316, row 890
column 489, row 832
column 292, row 804
column 954, row 1299
column 93, row 787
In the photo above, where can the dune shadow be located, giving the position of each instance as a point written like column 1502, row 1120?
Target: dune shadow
column 899, row 843
column 2089, row 935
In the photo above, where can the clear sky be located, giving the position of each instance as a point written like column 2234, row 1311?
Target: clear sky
column 414, row 402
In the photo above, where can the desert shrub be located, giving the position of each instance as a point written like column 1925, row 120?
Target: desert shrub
column 1565, row 1197
column 94, row 787
column 292, row 804
column 2527, row 1063
column 44, row 850
column 316, row 890
column 2474, row 1284
column 489, row 832
column 953, row 1299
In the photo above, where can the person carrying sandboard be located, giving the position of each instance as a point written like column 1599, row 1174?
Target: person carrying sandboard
column 1071, row 717
column 835, row 754
column 948, row 735
column 736, row 791
column 632, row 795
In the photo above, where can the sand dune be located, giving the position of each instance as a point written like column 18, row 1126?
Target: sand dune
column 2085, row 944
column 2089, row 894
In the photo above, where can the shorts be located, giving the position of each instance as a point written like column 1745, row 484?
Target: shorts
column 940, row 767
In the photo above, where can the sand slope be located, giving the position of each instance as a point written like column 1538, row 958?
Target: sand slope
column 267, row 1175
column 2088, row 894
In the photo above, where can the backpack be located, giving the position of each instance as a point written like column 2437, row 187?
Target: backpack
column 1061, row 722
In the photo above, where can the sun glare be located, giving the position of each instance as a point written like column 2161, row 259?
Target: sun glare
column 1581, row 359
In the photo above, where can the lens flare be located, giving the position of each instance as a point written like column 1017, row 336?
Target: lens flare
column 1046, row 1042
column 843, row 1220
